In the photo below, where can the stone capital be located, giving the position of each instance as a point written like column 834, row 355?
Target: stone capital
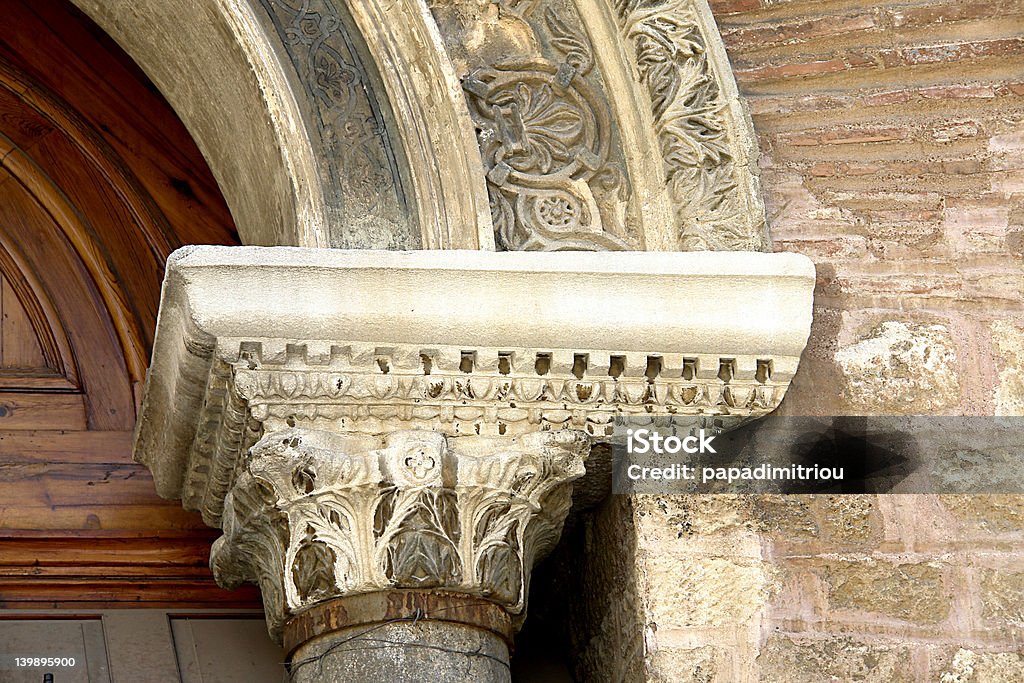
column 315, row 515
column 365, row 422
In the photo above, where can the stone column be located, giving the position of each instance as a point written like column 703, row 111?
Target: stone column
column 408, row 554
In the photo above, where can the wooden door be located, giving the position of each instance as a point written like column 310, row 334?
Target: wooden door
column 99, row 181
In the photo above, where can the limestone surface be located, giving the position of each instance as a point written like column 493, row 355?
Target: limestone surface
column 901, row 368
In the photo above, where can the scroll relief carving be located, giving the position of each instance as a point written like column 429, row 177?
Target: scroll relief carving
column 315, row 515
column 546, row 135
column 714, row 191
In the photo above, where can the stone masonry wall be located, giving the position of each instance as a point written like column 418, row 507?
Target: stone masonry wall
column 892, row 154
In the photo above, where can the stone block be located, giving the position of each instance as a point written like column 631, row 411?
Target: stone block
column 851, row 518
column 679, row 665
column 901, row 368
column 913, row 592
column 685, row 591
column 984, row 667
column 790, row 517
column 1009, row 342
column 1002, row 596
column 804, row 660
column 668, row 518
column 992, row 513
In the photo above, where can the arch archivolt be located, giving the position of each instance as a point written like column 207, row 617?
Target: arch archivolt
column 607, row 124
column 538, row 124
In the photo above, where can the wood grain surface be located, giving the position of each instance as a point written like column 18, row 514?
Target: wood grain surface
column 99, row 182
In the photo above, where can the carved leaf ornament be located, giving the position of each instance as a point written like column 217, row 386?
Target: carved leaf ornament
column 545, row 128
column 314, row 515
column 544, row 137
column 692, row 125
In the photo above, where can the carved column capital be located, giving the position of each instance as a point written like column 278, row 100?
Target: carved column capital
column 371, row 423
column 315, row 515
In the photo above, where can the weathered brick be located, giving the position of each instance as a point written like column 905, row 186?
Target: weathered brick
column 899, row 216
column 722, row 7
column 846, row 136
column 761, row 36
column 984, row 284
column 956, row 131
column 950, row 52
column 944, row 13
column 813, row 68
column 1008, row 142
column 1008, row 182
column 949, row 92
column 845, row 247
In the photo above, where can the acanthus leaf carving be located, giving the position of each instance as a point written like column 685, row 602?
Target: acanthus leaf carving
column 504, row 394
column 714, row 195
column 315, row 515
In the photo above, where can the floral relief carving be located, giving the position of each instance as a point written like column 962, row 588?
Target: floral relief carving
column 714, row 194
column 334, row 514
column 358, row 148
column 545, row 135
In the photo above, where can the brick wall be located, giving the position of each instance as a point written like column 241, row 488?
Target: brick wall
column 892, row 141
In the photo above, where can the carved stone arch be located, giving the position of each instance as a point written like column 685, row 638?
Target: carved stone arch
column 251, row 79
column 352, row 124
column 607, row 124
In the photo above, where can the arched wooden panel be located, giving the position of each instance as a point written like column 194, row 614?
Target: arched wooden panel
column 34, row 349
column 50, row 257
column 21, row 348
column 99, row 181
